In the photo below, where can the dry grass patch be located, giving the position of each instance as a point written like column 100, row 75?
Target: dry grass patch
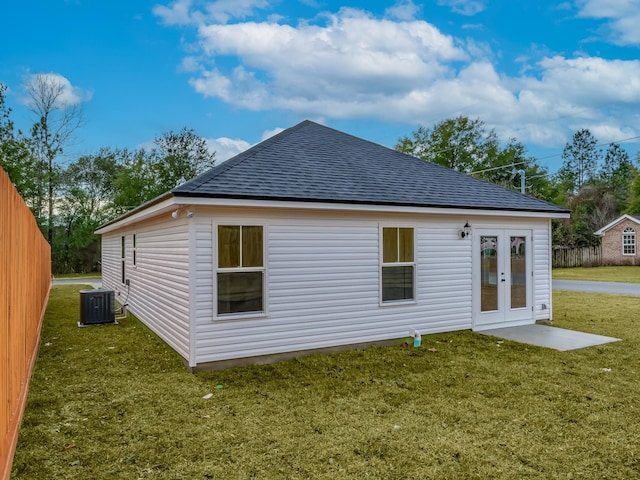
column 115, row 402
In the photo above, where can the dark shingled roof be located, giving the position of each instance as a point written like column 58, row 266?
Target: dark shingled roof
column 313, row 163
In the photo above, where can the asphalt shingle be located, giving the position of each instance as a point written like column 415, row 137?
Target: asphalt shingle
column 314, row 163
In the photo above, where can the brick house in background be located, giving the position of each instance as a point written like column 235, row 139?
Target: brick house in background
column 620, row 241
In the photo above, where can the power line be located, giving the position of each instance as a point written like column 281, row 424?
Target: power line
column 511, row 165
column 549, row 156
column 599, row 145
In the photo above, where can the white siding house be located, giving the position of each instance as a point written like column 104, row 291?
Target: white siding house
column 316, row 240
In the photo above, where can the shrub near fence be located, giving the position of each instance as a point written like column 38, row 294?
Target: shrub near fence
column 577, row 257
column 25, row 279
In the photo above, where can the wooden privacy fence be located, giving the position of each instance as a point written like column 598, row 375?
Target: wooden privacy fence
column 577, row 257
column 25, row 279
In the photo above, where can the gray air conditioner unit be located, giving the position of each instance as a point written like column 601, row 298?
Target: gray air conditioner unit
column 97, row 307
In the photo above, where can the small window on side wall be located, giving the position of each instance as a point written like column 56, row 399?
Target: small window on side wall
column 240, row 272
column 123, row 258
column 134, row 250
column 398, row 266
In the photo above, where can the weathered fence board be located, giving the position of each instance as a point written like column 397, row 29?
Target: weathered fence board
column 577, row 257
column 25, row 279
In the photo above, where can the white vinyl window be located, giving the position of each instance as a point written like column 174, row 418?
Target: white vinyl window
column 398, row 266
column 123, row 258
column 629, row 241
column 240, row 272
column 134, row 250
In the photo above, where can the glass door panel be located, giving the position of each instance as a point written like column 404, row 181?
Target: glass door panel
column 518, row 267
column 489, row 273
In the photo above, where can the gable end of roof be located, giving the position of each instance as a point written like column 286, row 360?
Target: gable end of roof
column 634, row 217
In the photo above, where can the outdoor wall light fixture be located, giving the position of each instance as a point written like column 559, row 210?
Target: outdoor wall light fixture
column 182, row 211
column 466, row 231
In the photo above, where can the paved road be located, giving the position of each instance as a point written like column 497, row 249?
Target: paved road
column 598, row 287
column 94, row 282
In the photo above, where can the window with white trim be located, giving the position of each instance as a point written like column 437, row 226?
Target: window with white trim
column 629, row 241
column 398, row 266
column 240, row 272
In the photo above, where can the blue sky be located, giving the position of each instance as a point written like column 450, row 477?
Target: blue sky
column 236, row 71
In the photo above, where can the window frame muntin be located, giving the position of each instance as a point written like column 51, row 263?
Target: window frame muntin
column 382, row 264
column 240, row 269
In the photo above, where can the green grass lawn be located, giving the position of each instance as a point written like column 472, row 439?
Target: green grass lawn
column 629, row 274
column 114, row 401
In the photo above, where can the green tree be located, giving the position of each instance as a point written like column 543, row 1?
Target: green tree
column 580, row 161
column 87, row 189
column 175, row 158
column 617, row 174
column 15, row 155
column 136, row 180
column 634, row 202
column 57, row 120
column 466, row 146
column 591, row 208
column 181, row 156
column 460, row 144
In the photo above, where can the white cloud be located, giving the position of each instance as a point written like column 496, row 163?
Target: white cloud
column 177, row 13
column 403, row 10
column 224, row 10
column 354, row 58
column 464, row 7
column 579, row 93
column 606, row 8
column 623, row 16
column 189, row 64
column 350, row 64
column 185, row 12
column 58, row 86
column 270, row 133
column 609, row 81
column 226, row 148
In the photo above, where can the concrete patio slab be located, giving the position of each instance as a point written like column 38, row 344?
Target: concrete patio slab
column 549, row 337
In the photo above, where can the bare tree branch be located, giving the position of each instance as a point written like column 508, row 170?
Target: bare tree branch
column 58, row 117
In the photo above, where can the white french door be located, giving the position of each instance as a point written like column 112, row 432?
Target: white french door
column 503, row 281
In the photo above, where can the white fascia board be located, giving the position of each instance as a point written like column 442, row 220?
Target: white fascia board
column 355, row 207
column 626, row 216
column 143, row 214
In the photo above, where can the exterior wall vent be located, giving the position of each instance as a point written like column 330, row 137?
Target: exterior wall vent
column 97, row 307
